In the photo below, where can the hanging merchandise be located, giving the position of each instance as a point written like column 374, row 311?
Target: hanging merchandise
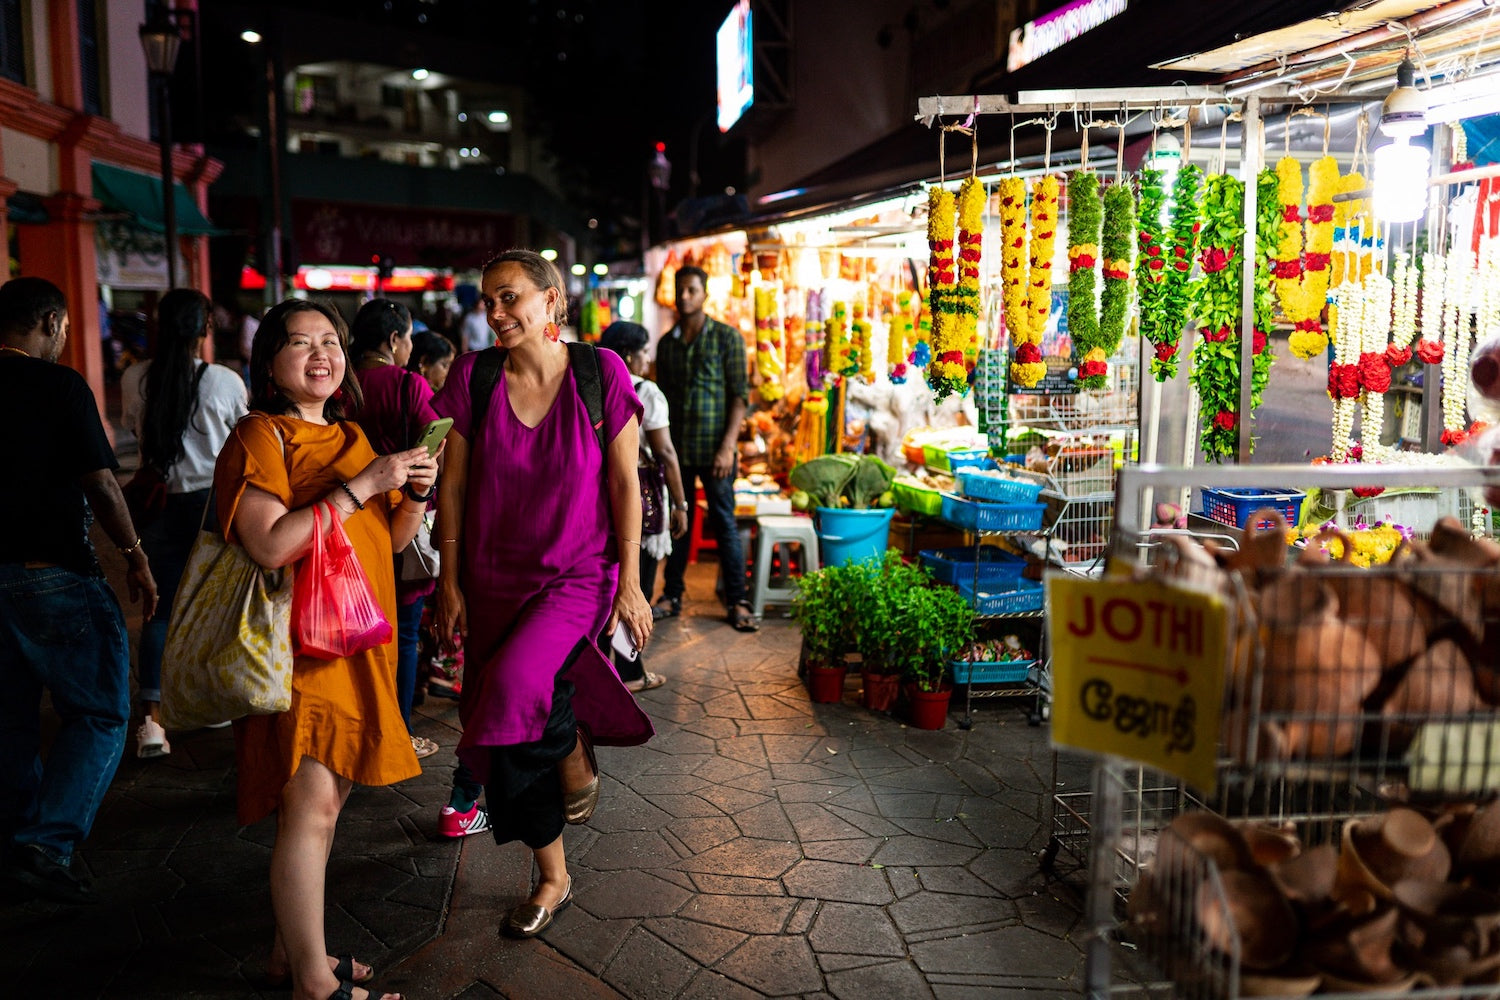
column 1027, row 280
column 817, row 396
column 1216, row 357
column 1303, row 258
column 1267, row 225
column 860, row 363
column 1119, row 250
column 901, row 336
column 842, row 362
column 1165, row 267
column 1374, row 365
column 1343, row 370
column 921, row 353
column 770, row 359
column 941, row 281
column 955, row 360
column 1403, row 311
column 666, row 282
column 1085, row 229
column 1434, row 279
column 1348, row 224
column 1459, row 338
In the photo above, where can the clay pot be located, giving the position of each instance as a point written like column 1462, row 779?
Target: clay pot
column 1196, row 837
column 1260, row 984
column 1479, row 850
column 1254, row 911
column 1269, row 844
column 1379, row 851
column 1308, row 877
column 1361, row 952
column 1442, row 915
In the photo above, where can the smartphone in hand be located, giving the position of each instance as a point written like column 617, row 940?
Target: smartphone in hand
column 433, row 434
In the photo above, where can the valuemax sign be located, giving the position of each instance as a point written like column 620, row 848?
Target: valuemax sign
column 1138, row 671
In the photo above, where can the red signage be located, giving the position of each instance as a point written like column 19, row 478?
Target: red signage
column 330, row 232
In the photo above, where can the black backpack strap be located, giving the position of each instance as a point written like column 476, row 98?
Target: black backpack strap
column 588, row 373
column 482, row 379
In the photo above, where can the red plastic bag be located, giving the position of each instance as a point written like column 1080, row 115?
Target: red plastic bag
column 334, row 611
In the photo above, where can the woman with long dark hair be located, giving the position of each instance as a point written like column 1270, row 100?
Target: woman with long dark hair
column 181, row 409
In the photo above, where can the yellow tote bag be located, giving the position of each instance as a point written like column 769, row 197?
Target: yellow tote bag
column 229, row 640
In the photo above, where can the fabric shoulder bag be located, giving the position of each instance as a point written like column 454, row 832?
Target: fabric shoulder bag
column 229, row 639
column 653, row 487
column 419, row 560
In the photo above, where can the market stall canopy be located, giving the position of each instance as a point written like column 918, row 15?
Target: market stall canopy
column 139, row 196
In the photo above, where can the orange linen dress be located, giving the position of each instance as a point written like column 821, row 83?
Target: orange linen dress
column 344, row 712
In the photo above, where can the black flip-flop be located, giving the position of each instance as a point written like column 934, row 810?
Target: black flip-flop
column 666, row 607
column 742, row 618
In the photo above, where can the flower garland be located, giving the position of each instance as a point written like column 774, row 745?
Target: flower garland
column 1403, row 311
column 836, row 333
column 1343, row 371
column 942, row 284
column 921, row 353
column 1459, row 339
column 901, row 335
column 1215, row 371
column 1169, row 268
column 816, row 401
column 770, row 361
column 1347, row 223
column 1028, row 301
column 860, row 362
column 1085, row 230
column 1302, row 267
column 1434, row 277
column 1119, row 249
column 1374, row 364
column 954, row 358
column 1267, row 225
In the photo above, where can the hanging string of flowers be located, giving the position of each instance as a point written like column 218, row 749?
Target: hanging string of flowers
column 1267, row 227
column 1434, row 280
column 1459, row 339
column 1302, row 267
column 1215, row 370
column 1029, row 299
column 836, row 334
column 1085, row 230
column 770, row 361
column 942, row 280
column 901, row 334
column 1171, row 287
column 1343, row 371
column 971, row 201
column 1118, row 246
column 1403, row 311
column 1347, row 220
column 860, row 362
column 1374, row 365
column 921, row 354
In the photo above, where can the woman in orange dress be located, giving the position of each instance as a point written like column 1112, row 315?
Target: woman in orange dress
column 294, row 451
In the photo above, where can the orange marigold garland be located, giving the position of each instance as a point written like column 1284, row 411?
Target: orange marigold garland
column 1029, row 301
column 770, row 361
column 954, row 358
column 942, row 280
column 1303, row 265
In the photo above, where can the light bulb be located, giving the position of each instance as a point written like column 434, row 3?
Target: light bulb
column 1401, row 181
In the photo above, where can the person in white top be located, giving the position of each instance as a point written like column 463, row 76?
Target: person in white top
column 630, row 341
column 475, row 328
column 181, row 410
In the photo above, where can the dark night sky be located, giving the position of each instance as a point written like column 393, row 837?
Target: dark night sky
column 609, row 77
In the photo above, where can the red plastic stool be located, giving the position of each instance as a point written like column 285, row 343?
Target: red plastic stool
column 699, row 538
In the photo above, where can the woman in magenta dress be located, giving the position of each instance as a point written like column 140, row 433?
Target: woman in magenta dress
column 539, row 533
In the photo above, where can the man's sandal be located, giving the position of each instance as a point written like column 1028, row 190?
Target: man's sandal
column 742, row 617
column 666, row 607
column 343, row 970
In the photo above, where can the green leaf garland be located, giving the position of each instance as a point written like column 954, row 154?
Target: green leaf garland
column 1216, row 357
column 1085, row 228
column 1173, row 293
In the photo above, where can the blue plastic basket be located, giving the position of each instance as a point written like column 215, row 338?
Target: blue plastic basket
column 1234, row 507
column 990, row 672
column 969, row 458
column 998, row 571
column 978, row 486
column 1028, row 596
column 972, row 515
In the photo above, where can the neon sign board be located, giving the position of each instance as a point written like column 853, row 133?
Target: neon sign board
column 736, row 66
column 1051, row 32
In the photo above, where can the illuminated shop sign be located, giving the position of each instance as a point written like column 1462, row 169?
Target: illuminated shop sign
column 1051, row 32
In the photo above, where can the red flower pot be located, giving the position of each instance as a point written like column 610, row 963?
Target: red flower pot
column 880, row 690
column 826, row 684
column 929, row 709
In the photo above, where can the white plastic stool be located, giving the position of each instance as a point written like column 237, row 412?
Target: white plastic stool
column 781, row 530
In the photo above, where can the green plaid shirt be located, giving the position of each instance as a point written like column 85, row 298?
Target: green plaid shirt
column 700, row 380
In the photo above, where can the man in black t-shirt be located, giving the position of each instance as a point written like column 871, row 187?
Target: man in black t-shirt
column 61, row 627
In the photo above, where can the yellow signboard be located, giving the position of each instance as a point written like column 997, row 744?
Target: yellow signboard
column 1138, row 671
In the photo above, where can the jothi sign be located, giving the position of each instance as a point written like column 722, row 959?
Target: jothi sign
column 1138, row 671
column 1052, row 31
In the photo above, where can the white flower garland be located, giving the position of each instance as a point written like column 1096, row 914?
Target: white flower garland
column 1458, row 339
column 1488, row 287
column 1404, row 291
column 1346, row 351
column 1434, row 270
column 1375, row 334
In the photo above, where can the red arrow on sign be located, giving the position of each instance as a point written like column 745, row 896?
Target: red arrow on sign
column 1178, row 674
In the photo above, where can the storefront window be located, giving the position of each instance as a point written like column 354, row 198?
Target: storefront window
column 12, row 46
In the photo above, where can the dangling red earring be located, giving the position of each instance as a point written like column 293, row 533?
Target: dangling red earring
column 338, row 394
column 552, row 331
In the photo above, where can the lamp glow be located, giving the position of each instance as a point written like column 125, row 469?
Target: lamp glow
column 250, row 36
column 601, row 269
column 549, row 254
column 420, row 74
column 1400, row 181
column 579, row 269
column 627, row 308
column 498, row 117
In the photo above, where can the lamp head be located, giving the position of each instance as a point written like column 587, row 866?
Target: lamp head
column 160, row 39
column 1404, row 112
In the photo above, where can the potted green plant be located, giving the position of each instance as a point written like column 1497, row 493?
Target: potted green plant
column 875, row 612
column 822, row 609
column 852, row 496
column 935, row 623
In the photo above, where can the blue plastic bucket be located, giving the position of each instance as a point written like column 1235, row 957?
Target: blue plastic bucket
column 846, row 536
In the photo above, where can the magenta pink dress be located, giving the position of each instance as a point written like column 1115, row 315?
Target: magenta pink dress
column 539, row 566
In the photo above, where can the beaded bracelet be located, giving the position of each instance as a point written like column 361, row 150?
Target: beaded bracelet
column 345, row 487
column 125, row 551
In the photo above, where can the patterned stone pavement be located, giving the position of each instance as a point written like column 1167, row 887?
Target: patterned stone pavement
column 760, row 846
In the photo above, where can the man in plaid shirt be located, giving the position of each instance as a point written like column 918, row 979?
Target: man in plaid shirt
column 701, row 369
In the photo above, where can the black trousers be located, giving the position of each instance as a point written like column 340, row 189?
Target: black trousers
column 524, row 791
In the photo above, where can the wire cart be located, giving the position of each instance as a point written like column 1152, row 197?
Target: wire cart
column 1352, row 845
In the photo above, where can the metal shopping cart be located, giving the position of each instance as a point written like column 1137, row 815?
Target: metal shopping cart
column 1360, row 707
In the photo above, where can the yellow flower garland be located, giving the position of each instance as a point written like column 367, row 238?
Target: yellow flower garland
column 836, row 336
column 900, row 337
column 1305, row 257
column 945, row 371
column 1013, row 257
column 859, row 344
column 770, row 360
column 1032, row 309
column 965, row 338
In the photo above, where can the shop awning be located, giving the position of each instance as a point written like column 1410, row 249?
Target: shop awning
column 26, row 209
column 139, row 195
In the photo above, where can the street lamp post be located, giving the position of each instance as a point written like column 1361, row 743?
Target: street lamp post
column 160, row 39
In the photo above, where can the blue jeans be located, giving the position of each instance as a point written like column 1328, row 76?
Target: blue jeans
column 168, row 542
column 408, row 643
column 719, row 492
column 65, row 632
